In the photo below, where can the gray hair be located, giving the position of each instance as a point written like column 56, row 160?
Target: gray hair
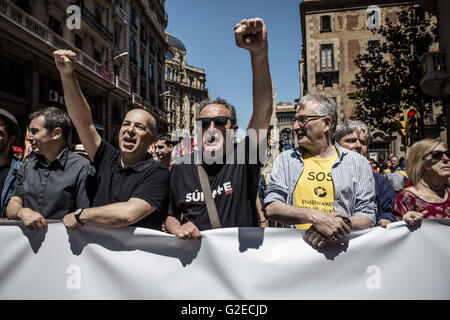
column 325, row 106
column 350, row 126
column 223, row 102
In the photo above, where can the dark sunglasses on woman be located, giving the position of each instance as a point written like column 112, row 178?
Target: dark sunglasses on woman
column 437, row 154
column 218, row 121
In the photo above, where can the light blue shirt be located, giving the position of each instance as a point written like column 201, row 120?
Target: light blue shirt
column 354, row 185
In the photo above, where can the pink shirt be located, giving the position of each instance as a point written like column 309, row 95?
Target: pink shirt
column 407, row 201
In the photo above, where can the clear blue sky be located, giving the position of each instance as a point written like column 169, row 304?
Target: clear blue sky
column 206, row 29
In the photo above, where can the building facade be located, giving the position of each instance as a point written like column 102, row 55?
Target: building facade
column 186, row 88
column 334, row 32
column 120, row 48
column 285, row 115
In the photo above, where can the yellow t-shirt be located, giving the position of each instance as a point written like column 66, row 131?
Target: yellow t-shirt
column 315, row 187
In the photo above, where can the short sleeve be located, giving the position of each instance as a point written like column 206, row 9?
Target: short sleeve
column 84, row 186
column 404, row 202
column 155, row 188
column 18, row 189
column 173, row 207
column 105, row 151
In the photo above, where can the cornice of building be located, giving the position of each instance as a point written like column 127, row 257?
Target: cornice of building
column 322, row 6
column 154, row 20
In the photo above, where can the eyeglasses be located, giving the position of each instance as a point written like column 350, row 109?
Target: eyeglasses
column 302, row 120
column 218, row 121
column 437, row 154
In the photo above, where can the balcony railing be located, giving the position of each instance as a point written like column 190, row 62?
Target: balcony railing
column 327, row 68
column 42, row 32
column 90, row 17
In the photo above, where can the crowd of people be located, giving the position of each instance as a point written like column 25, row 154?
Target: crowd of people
column 326, row 185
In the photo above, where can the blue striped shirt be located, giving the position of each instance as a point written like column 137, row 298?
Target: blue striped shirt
column 354, row 185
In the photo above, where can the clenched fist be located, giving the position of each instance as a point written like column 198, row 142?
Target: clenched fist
column 65, row 61
column 251, row 34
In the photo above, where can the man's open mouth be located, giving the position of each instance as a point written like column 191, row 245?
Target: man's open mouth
column 128, row 142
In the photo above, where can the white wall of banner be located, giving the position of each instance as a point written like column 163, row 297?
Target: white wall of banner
column 236, row 263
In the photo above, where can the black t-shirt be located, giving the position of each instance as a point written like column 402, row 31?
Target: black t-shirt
column 234, row 188
column 4, row 173
column 147, row 180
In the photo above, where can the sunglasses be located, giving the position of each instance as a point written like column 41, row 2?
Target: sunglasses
column 437, row 155
column 218, row 121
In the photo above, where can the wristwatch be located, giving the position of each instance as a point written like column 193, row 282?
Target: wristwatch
column 347, row 222
column 77, row 214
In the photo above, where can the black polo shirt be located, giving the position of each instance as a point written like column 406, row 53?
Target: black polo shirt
column 147, row 180
column 58, row 188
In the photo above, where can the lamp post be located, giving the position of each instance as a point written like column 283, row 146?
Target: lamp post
column 118, row 56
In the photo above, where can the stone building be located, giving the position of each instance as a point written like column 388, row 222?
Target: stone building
column 120, row 48
column 186, row 88
column 334, row 32
column 285, row 114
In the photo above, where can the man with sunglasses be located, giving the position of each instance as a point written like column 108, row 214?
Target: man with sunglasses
column 232, row 176
column 321, row 186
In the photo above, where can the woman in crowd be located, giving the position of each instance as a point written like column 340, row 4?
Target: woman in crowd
column 428, row 166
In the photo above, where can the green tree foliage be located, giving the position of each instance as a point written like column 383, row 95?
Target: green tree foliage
column 388, row 80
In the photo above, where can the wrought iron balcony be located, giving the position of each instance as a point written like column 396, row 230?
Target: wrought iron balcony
column 93, row 21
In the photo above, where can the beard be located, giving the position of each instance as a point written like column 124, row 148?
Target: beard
column 4, row 147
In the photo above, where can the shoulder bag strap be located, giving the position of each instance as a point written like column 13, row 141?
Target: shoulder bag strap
column 210, row 205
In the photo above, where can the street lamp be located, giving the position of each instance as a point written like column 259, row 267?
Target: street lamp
column 118, row 56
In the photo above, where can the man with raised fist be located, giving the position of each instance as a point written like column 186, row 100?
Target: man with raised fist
column 132, row 188
column 233, row 183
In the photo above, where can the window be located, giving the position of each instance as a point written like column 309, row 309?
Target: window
column 132, row 49
column 150, row 44
column 133, row 82
column 78, row 42
column 23, row 4
column 168, row 73
column 169, row 54
column 141, row 63
column 150, row 72
column 97, row 56
column 159, row 80
column 374, row 48
column 54, row 25
column 116, row 115
column 327, row 80
column 132, row 17
column 325, row 24
column 98, row 16
column 13, row 78
column 326, row 57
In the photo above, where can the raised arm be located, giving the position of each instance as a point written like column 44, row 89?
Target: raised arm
column 76, row 104
column 251, row 35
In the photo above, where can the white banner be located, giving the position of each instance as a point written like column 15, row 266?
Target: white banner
column 235, row 263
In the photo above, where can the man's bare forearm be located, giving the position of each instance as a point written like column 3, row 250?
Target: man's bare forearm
column 287, row 214
column 119, row 214
column 172, row 224
column 361, row 222
column 262, row 90
column 14, row 207
column 77, row 106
